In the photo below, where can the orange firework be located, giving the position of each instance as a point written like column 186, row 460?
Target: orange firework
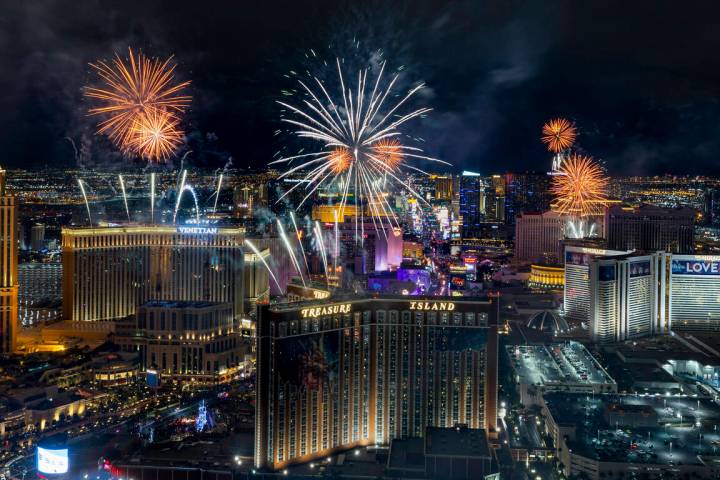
column 580, row 188
column 154, row 135
column 132, row 88
column 339, row 160
column 389, row 151
column 558, row 134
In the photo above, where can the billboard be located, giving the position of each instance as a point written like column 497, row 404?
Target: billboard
column 152, row 378
column 695, row 267
column 309, row 361
column 606, row 273
column 51, row 461
column 640, row 269
column 577, row 258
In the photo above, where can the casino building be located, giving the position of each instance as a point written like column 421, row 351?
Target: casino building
column 622, row 296
column 577, row 285
column 338, row 374
column 109, row 271
column 184, row 341
column 8, row 269
column 626, row 297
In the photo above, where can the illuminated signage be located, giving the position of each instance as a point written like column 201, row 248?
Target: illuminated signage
column 436, row 306
column 639, row 269
column 52, row 461
column 307, row 292
column 577, row 258
column 328, row 310
column 606, row 273
column 695, row 267
column 198, row 230
column 152, row 378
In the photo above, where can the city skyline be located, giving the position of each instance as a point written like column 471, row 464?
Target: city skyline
column 527, row 65
column 314, row 240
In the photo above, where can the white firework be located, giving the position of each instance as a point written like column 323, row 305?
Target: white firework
column 359, row 152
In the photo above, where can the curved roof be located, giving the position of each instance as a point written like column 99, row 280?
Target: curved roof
column 548, row 321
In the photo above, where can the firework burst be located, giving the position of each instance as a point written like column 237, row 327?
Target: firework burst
column 580, row 188
column 356, row 134
column 339, row 160
column 558, row 134
column 154, row 135
column 389, row 151
column 136, row 91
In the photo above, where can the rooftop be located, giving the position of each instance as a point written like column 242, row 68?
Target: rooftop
column 407, row 454
column 348, row 297
column 670, row 347
column 179, row 304
column 556, row 364
column 548, row 321
column 684, row 432
column 457, row 441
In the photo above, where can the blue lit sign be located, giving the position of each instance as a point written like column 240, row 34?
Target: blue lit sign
column 606, row 273
column 695, row 267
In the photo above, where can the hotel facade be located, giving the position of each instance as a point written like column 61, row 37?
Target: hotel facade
column 184, row 341
column 577, row 279
column 621, row 296
column 109, row 271
column 8, row 269
column 345, row 373
column 627, row 297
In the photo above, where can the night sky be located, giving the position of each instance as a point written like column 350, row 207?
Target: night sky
column 640, row 79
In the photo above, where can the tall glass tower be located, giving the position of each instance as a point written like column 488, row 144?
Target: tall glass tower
column 471, row 211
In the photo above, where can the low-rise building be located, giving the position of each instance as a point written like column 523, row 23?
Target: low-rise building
column 670, row 435
column 630, row 415
column 185, row 341
column 114, row 369
column 558, row 367
column 457, row 453
column 546, row 277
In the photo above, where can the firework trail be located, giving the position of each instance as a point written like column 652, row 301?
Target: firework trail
column 182, row 160
column 140, row 104
column 335, row 257
column 180, row 190
column 289, row 248
column 299, row 239
column 75, row 150
column 122, row 188
column 217, row 193
column 323, row 252
column 188, row 188
column 577, row 228
column 87, row 205
column 357, row 137
column 257, row 252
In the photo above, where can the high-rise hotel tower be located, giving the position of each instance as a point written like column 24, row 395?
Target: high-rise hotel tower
column 8, row 269
column 109, row 271
column 343, row 373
